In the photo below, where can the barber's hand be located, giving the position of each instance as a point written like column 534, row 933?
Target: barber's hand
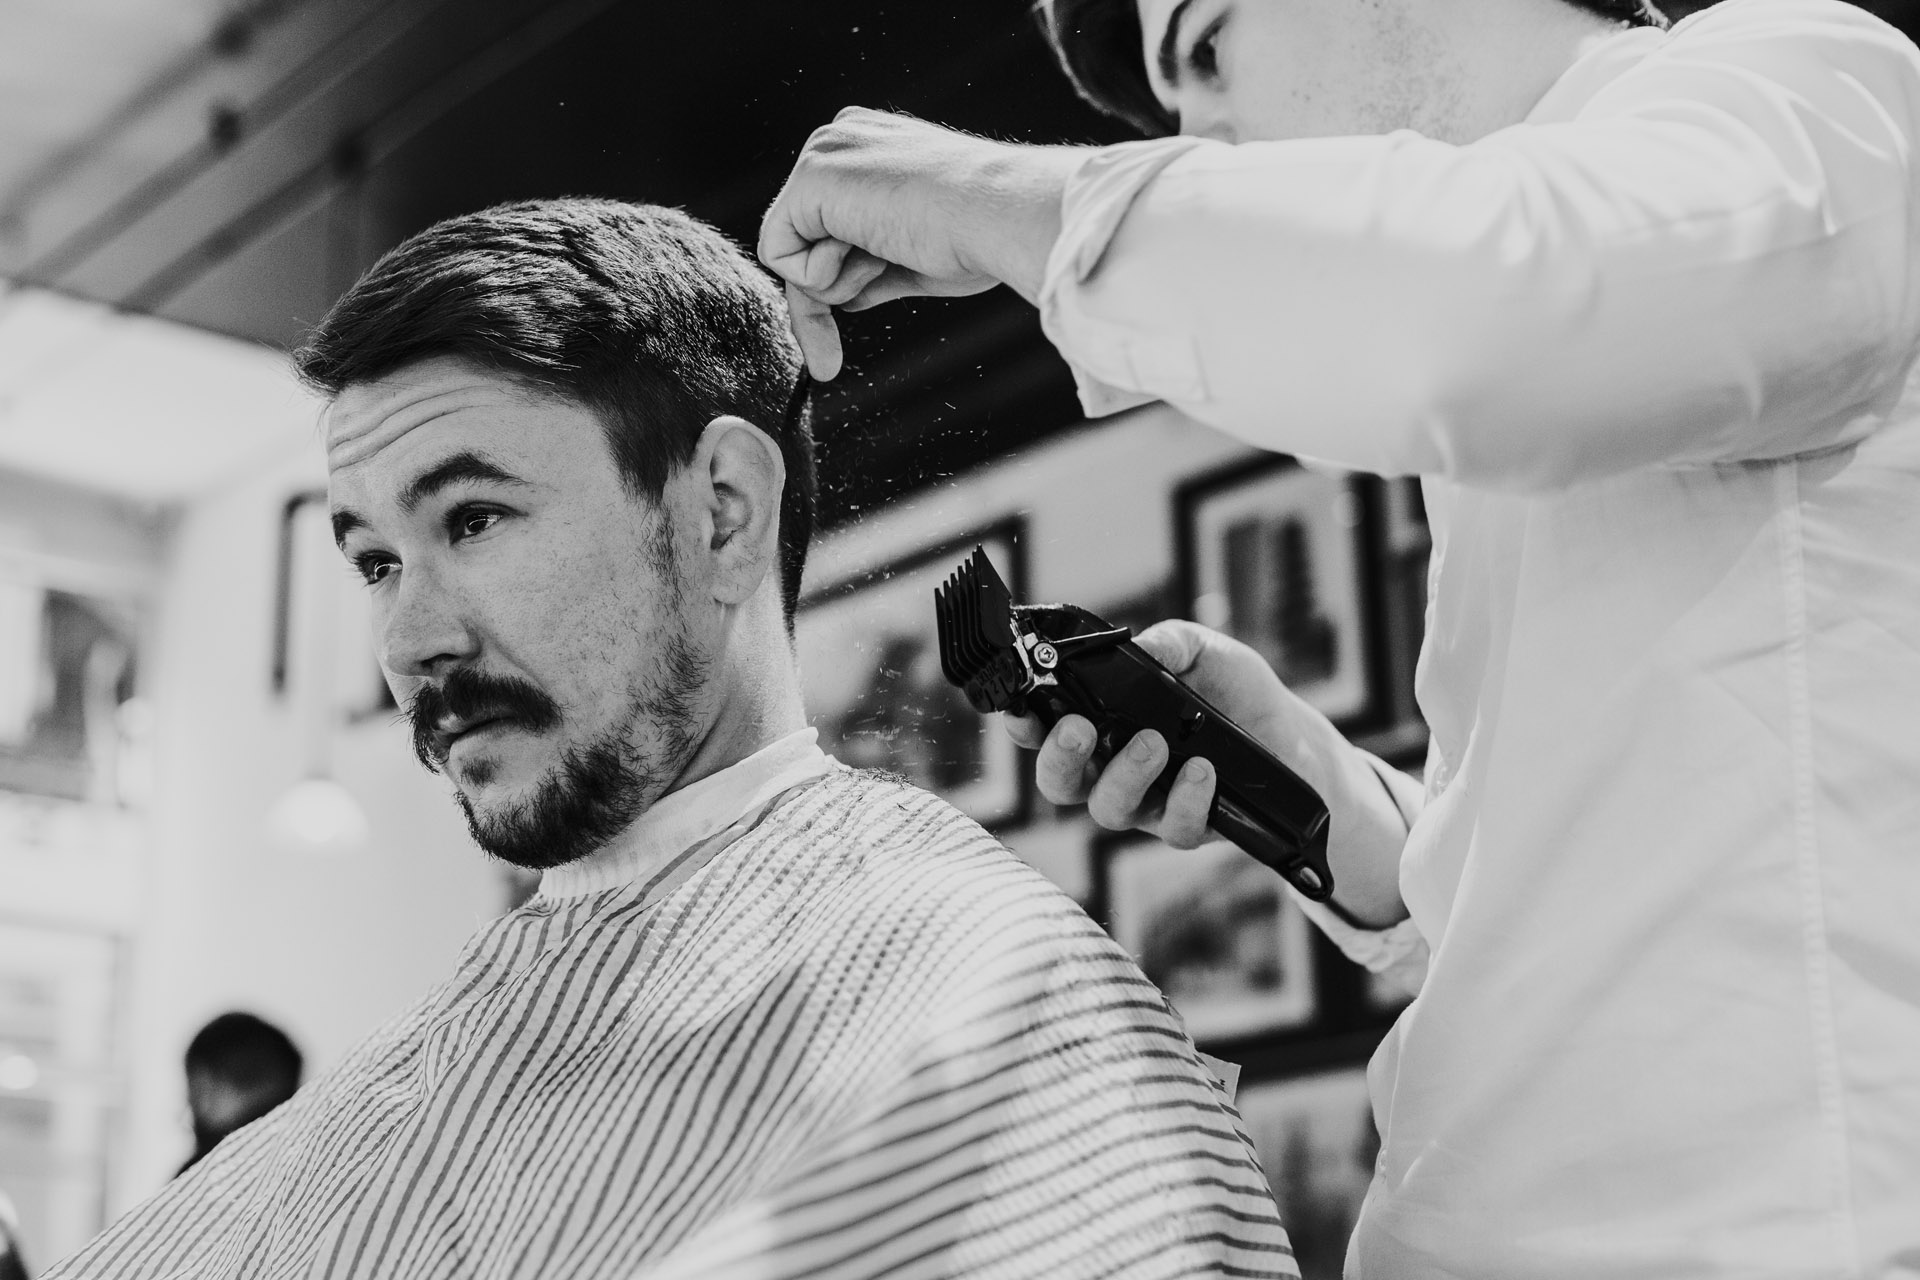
column 1222, row 670
column 882, row 206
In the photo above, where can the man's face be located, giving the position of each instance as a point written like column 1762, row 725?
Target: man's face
column 1266, row 70
column 528, row 610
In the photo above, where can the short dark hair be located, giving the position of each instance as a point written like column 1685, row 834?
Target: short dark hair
column 1099, row 44
column 649, row 318
column 240, row 1049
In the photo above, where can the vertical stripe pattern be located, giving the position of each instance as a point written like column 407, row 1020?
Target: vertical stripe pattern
column 861, row 1039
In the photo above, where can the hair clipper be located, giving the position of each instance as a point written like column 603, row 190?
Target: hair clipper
column 1054, row 659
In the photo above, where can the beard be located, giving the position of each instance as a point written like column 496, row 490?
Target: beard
column 597, row 788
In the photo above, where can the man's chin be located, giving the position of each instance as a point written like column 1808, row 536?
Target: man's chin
column 504, row 830
column 561, row 814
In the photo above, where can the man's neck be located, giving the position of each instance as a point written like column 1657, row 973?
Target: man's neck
column 755, row 686
column 737, row 733
column 1509, row 53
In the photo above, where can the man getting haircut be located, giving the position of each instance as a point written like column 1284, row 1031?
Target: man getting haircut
column 766, row 1016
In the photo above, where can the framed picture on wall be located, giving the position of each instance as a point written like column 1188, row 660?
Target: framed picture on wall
column 67, row 665
column 1216, row 931
column 870, row 675
column 1277, row 556
column 1317, row 1145
column 322, row 633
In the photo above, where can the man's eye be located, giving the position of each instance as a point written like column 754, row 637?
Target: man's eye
column 470, row 521
column 374, row 567
column 1203, row 59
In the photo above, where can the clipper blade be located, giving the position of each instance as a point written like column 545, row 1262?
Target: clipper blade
column 973, row 614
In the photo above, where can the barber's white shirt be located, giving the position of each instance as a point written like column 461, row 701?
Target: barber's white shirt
column 1652, row 351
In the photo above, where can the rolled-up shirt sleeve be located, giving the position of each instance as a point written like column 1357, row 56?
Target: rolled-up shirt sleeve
column 1709, row 258
column 1397, row 952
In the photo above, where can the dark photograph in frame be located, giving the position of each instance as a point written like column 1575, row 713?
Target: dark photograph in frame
column 1279, row 556
column 1216, row 931
column 870, row 676
column 1317, row 1144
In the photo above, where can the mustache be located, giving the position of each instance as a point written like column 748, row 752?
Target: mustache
column 474, row 695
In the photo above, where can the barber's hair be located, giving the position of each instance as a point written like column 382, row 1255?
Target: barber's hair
column 248, row 1052
column 649, row 318
column 1098, row 43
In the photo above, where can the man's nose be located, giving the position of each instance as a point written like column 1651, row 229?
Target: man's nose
column 426, row 629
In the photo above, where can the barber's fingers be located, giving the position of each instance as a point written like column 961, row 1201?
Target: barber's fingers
column 1183, row 819
column 1119, row 798
column 1026, row 731
column 794, row 243
column 858, row 270
column 1063, row 769
column 898, row 282
column 811, row 308
column 817, row 333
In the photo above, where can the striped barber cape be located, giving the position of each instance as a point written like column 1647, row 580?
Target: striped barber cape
column 848, row 1035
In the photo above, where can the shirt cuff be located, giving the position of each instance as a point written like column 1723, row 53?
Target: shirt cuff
column 1398, row 952
column 1096, row 200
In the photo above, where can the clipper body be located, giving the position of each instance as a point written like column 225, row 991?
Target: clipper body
column 1052, row 660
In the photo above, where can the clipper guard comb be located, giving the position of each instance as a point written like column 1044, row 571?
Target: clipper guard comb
column 1052, row 660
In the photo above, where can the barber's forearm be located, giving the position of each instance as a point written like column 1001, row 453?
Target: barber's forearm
column 1369, row 826
column 1010, row 212
column 1518, row 314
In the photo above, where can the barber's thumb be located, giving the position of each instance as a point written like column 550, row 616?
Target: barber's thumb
column 818, row 335
column 1175, row 644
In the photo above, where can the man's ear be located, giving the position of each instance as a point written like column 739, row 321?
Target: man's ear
column 740, row 475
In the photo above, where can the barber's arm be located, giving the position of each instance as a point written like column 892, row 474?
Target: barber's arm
column 1712, row 262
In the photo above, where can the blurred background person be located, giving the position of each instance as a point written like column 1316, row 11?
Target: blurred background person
column 12, row 1265
column 239, row 1067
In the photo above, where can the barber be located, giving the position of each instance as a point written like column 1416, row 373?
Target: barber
column 1640, row 307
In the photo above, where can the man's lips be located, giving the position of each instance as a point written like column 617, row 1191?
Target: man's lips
column 453, row 729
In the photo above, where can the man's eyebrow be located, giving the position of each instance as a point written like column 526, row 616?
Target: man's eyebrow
column 344, row 523
column 1169, row 58
column 452, row 470
column 449, row 471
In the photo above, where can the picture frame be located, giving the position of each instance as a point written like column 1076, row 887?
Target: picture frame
column 322, row 628
column 1214, row 930
column 1316, row 1141
column 871, row 680
column 68, row 664
column 1280, row 557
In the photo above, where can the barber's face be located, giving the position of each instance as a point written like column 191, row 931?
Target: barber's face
column 1264, row 70
column 528, row 610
